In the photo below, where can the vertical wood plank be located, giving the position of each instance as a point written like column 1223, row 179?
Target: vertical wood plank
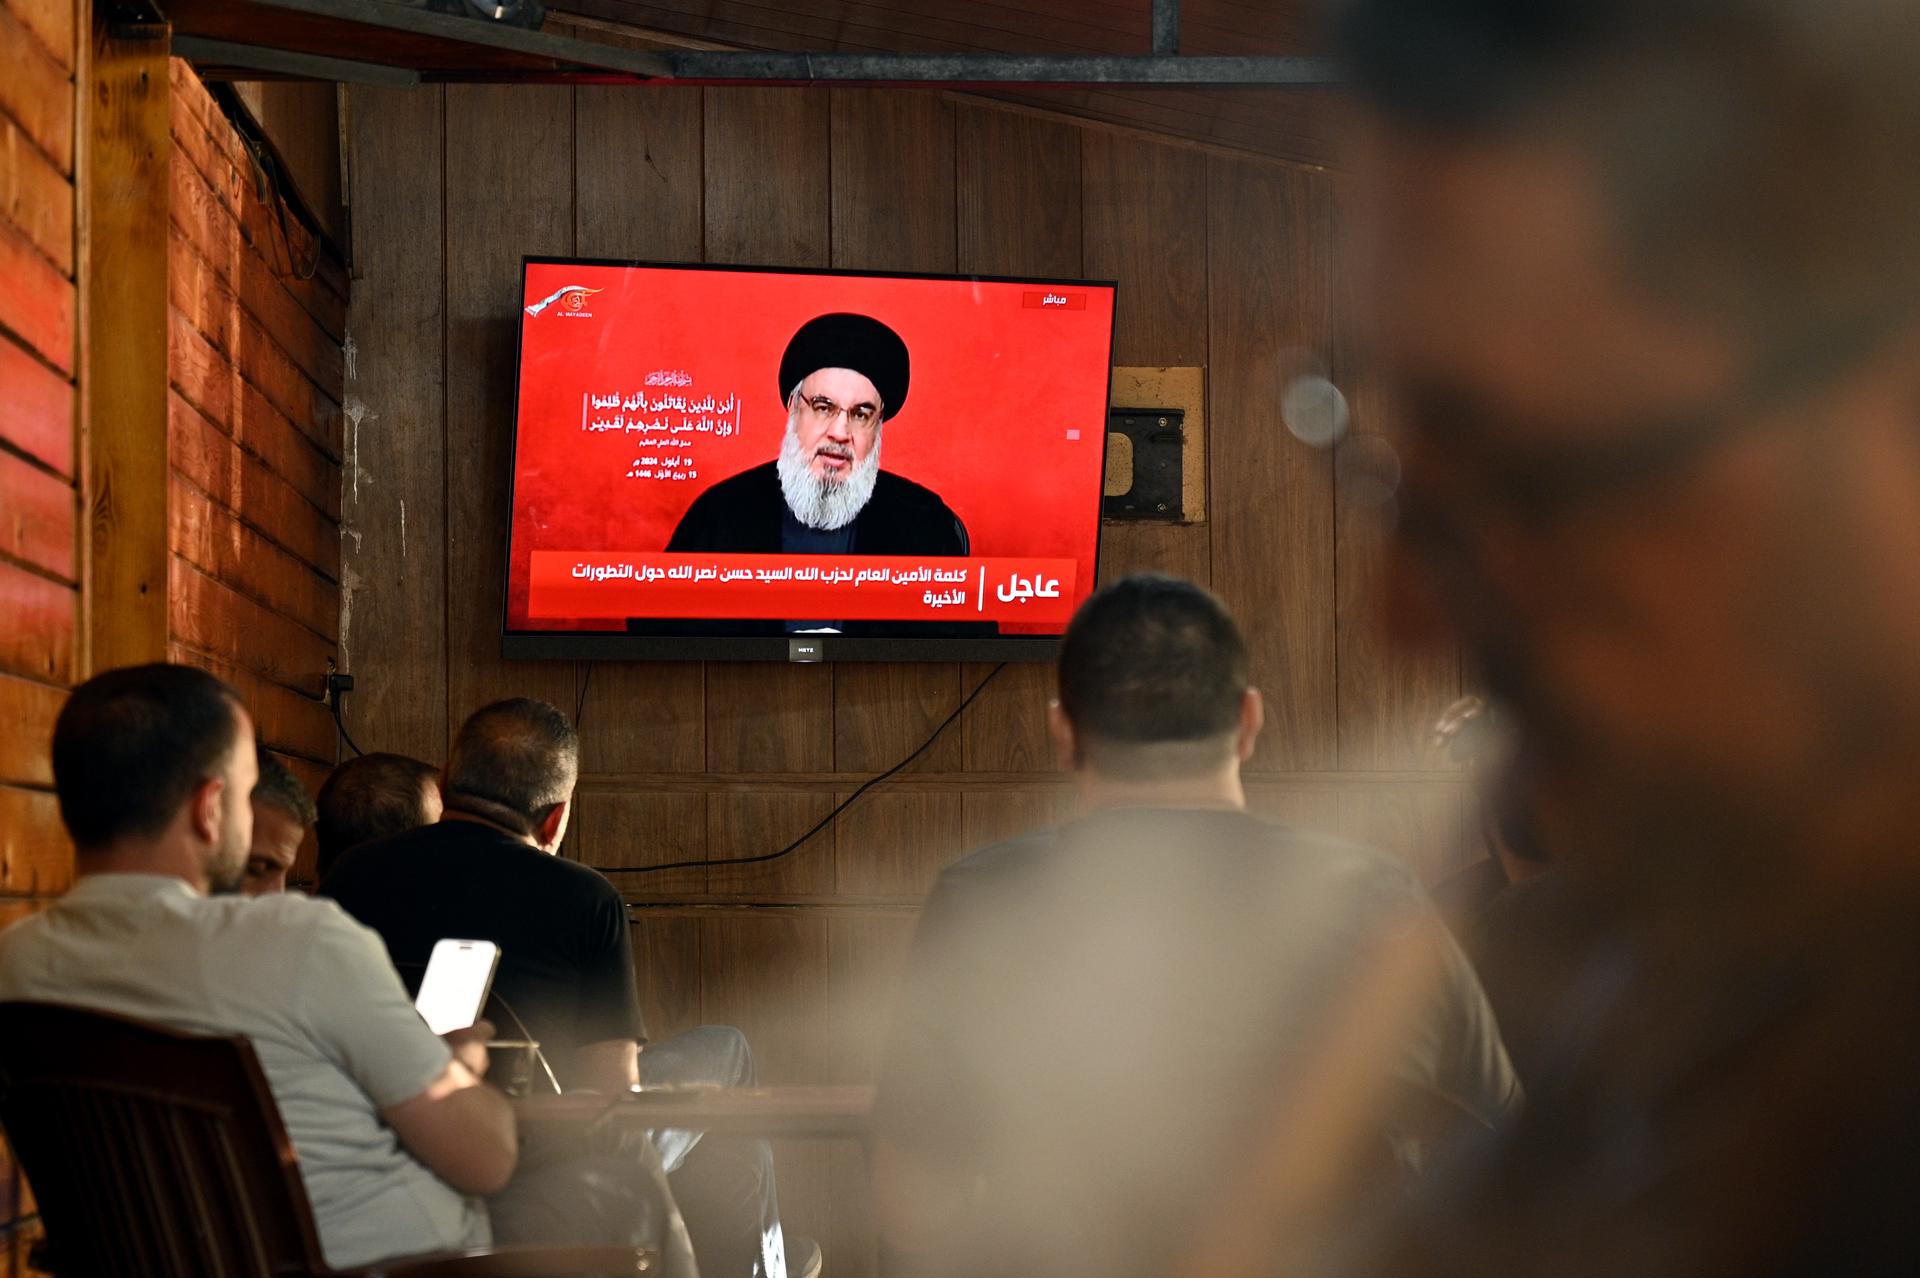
column 666, row 960
column 128, row 148
column 1018, row 214
column 1145, row 207
column 893, row 210
column 766, row 201
column 509, row 193
column 896, row 842
column 749, row 824
column 1272, row 512
column 394, row 483
column 614, row 828
column 637, row 196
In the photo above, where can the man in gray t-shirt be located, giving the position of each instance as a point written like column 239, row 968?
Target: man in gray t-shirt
column 1098, row 1021
column 395, row 1135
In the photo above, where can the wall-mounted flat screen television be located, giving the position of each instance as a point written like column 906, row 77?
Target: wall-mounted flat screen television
column 722, row 462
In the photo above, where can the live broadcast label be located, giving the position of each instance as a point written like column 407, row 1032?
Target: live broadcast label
column 591, row 584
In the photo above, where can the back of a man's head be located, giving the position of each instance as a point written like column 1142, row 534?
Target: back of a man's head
column 1153, row 674
column 374, row 796
column 131, row 745
column 519, row 756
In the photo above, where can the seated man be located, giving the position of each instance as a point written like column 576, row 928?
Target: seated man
column 487, row 871
column 282, row 815
column 154, row 766
column 374, row 796
column 1094, row 1016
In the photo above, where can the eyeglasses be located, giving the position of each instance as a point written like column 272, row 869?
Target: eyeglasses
column 823, row 412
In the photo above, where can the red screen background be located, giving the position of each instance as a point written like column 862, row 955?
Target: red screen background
column 999, row 383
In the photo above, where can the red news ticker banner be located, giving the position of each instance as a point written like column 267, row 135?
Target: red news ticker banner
column 782, row 587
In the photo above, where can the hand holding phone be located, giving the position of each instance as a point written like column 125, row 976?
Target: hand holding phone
column 459, row 976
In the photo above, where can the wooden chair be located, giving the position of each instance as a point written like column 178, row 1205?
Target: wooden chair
column 161, row 1155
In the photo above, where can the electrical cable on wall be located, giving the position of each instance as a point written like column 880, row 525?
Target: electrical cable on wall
column 830, row 817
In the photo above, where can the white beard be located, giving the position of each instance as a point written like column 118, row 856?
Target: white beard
column 824, row 504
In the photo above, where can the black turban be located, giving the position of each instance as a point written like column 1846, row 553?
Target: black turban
column 844, row 340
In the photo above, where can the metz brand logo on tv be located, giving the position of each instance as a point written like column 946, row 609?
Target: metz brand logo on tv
column 568, row 303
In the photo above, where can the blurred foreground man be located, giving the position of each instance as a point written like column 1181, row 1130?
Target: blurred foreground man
column 395, row 1134
column 1648, row 276
column 1092, row 1013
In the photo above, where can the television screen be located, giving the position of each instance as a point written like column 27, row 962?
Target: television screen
column 728, row 462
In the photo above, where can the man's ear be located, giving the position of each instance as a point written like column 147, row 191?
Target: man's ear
column 553, row 826
column 206, row 813
column 1066, row 742
column 1253, row 717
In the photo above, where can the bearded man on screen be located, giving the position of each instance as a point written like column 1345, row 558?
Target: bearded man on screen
column 843, row 376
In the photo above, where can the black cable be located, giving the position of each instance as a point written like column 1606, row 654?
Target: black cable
column 580, row 706
column 830, row 817
column 341, row 723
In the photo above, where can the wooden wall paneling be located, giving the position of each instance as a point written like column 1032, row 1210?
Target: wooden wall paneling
column 499, row 139
column 989, row 815
column 1018, row 213
column 637, row 196
column 36, row 197
column 215, row 618
column 36, row 857
column 766, row 203
column 52, row 24
column 1272, row 511
column 614, row 827
column 766, row 972
column 128, row 149
column 289, row 721
column 1306, row 803
column 36, row 516
column 893, row 210
column 213, row 540
column 1144, row 207
column 36, row 408
column 28, row 708
column 203, row 372
column 36, row 88
column 37, row 302
column 748, row 823
column 895, row 841
column 394, row 529
column 867, row 956
column 39, row 638
column 666, row 961
column 263, row 499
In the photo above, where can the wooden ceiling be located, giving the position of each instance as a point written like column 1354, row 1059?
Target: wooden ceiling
column 1291, row 124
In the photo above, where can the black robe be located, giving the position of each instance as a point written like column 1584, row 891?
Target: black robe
column 743, row 515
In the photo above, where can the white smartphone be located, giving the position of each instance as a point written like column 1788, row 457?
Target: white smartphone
column 459, row 975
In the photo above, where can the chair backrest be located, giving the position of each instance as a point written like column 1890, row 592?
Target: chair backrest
column 151, row 1152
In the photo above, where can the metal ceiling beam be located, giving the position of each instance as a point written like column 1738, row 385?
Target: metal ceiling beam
column 972, row 69
column 1166, row 27
column 299, row 66
column 316, row 30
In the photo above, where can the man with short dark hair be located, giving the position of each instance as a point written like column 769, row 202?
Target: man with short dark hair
column 373, row 796
column 154, row 766
column 1092, row 1013
column 282, row 815
column 1647, row 276
column 489, row 870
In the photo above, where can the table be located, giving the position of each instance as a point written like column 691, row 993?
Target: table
column 775, row 1112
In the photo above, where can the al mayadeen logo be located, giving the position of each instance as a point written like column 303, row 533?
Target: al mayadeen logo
column 571, row 301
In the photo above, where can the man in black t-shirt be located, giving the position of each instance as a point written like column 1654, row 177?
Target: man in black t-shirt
column 1095, row 1017
column 487, row 871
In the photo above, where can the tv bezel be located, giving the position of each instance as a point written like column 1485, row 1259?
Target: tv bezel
column 609, row 645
